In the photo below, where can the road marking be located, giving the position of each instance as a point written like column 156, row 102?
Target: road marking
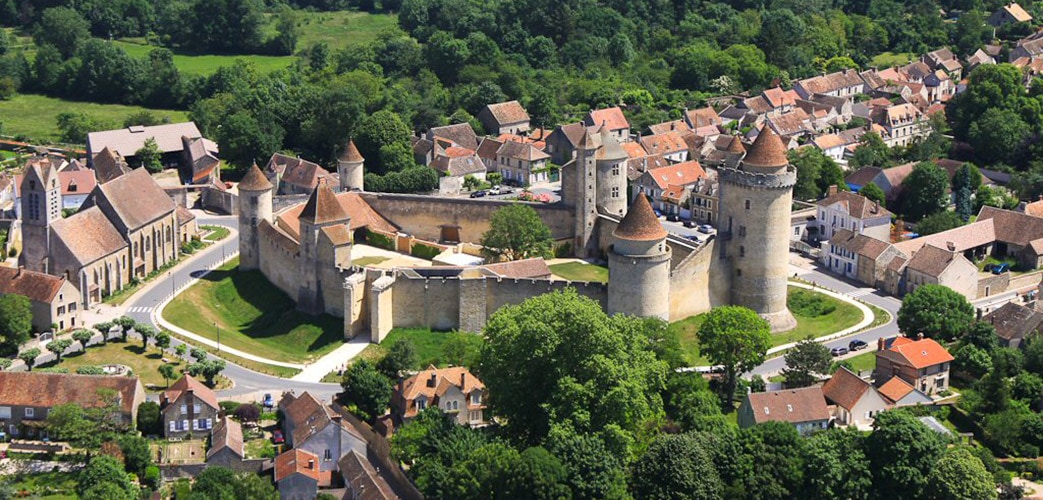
column 139, row 309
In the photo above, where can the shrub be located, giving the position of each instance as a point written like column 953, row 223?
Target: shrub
column 90, row 370
column 809, row 304
column 563, row 250
column 228, row 407
column 380, row 241
column 425, row 251
column 152, row 477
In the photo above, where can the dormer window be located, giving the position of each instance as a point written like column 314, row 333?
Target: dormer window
column 476, row 398
column 421, row 404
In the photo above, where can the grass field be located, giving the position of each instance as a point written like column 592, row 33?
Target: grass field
column 578, row 271
column 36, row 116
column 45, row 485
column 145, row 365
column 273, row 370
column 843, row 316
column 253, row 316
column 887, row 59
column 205, row 64
column 865, row 361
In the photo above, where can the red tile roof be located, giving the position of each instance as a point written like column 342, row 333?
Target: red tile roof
column 351, row 153
column 40, row 287
column 922, row 353
column 895, row 389
column 434, row 382
column 845, row 388
column 227, row 434
column 612, row 118
column 322, row 206
column 185, row 384
column 680, row 174
column 640, row 223
column 791, row 405
column 767, row 150
column 508, row 112
column 296, row 461
column 52, row 389
column 254, row 180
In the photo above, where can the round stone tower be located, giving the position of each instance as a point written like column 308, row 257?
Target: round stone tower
column 255, row 205
column 754, row 225
column 350, row 168
column 639, row 265
column 611, row 161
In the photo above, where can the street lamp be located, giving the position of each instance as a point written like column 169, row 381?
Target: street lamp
column 218, row 336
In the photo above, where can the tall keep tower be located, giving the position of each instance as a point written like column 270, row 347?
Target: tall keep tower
column 255, row 205
column 586, row 190
column 350, row 168
column 754, row 224
column 599, row 181
column 41, row 205
column 639, row 265
column 321, row 211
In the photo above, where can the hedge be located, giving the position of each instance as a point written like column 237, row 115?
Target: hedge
column 425, row 251
column 380, row 241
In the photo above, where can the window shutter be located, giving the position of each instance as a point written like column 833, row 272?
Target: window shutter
column 184, row 425
column 209, row 423
column 173, row 423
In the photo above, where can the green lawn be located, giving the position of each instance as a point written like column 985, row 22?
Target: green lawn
column 216, row 233
column 205, row 64
column 888, row 59
column 368, row 261
column 342, row 29
column 843, row 316
column 36, row 116
column 144, row 365
column 430, row 348
column 578, row 271
column 254, row 316
column 45, row 485
column 864, row 361
column 273, row 370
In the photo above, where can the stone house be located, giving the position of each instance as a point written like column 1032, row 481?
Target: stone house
column 226, row 444
column 804, row 408
column 858, row 256
column 839, row 253
column 831, row 145
column 53, row 299
column 455, row 390
column 612, row 119
column 522, row 163
column 941, row 266
column 459, row 134
column 459, row 162
column 840, row 84
column 314, row 427
column 297, row 475
column 770, row 102
column 126, row 142
column 1010, row 13
column 27, row 397
column 705, row 122
column 1014, row 323
column 847, row 210
column 671, row 145
column 857, row 401
column 188, row 408
column 923, row 363
column 705, row 199
column 792, row 125
column 487, row 152
column 292, row 175
column 899, row 393
column 561, row 143
column 945, row 60
column 655, row 183
column 903, row 124
column 1028, row 49
column 362, row 480
column 978, row 58
column 199, row 165
column 504, row 118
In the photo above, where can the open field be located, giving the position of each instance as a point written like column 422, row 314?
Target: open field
column 36, row 116
column 843, row 316
column 888, row 59
column 578, row 271
column 144, row 364
column 252, row 315
column 205, row 64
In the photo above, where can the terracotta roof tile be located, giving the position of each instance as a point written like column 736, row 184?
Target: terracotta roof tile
column 670, row 126
column 254, row 180
column 108, row 165
column 360, row 215
column 421, row 385
column 857, row 206
column 322, row 206
column 680, row 174
column 226, row 434
column 640, row 223
column 767, row 150
column 351, row 153
column 188, row 383
column 895, row 389
column 488, row 148
column 89, row 235
column 922, row 353
column 791, row 405
column 40, row 287
column 296, row 461
column 778, row 97
column 832, row 82
column 460, row 134
column 522, row 269
column 703, row 117
column 52, row 389
column 932, row 261
column 963, row 238
column 508, row 112
column 1014, row 321
column 665, row 143
column 634, row 150
column 845, row 388
column 309, row 416
column 184, row 216
column 296, row 171
column 1013, row 227
column 365, row 480
column 611, row 117
column 521, row 151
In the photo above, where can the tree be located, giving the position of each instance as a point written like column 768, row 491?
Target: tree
column 162, row 340
column 16, row 321
column 462, row 349
column 559, row 358
column 941, row 221
column 248, row 413
column 63, row 28
column 75, row 126
column 873, row 192
column 167, row 371
column 149, row 155
column 902, row 451
column 925, row 191
column 517, row 232
column 126, row 324
column 287, row 32
column 835, row 466
column 58, row 347
column 936, row 311
column 997, row 135
column 736, row 338
column 149, row 420
column 971, row 360
column 872, row 152
column 104, row 329
column 367, row 389
column 29, row 356
column 224, row 483
column 959, row 475
column 180, row 350
column 401, row 356
column 806, row 162
column 198, row 353
column 69, row 422
column 594, row 471
column 805, row 361
column 376, row 131
column 83, row 336
column 146, row 332
column 676, row 466
column 5, row 363
column 471, row 182
column 777, row 450
column 207, row 368
column 136, row 453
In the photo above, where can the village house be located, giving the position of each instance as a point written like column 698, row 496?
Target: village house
column 314, row 427
column 942, row 266
column 1014, row 323
column 459, row 134
column 108, row 165
column 504, row 118
column 899, row 393
column 54, row 301
column 833, row 146
column 27, row 397
column 1010, row 13
column 292, row 175
column 199, row 166
column 724, row 151
column 857, row 401
column 561, row 143
column 362, row 481
column 655, row 183
column 922, row 363
column 459, row 162
column 843, row 83
column 978, row 58
column 226, row 444
column 858, row 256
column 847, row 210
column 944, row 60
column 522, row 163
column 705, row 199
column 1026, row 49
column 297, row 475
column 453, row 389
column 670, row 145
column 804, row 408
column 126, row 142
column 903, row 124
column 487, row 153
column 703, row 121
column 188, row 408
column 612, row 119
column 793, row 125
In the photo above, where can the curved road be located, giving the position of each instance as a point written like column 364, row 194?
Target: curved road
column 141, row 306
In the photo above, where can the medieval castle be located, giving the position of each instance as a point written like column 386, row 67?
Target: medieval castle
column 305, row 249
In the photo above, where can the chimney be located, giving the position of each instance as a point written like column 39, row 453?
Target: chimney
column 919, row 336
column 880, row 344
column 431, row 381
column 951, row 246
column 876, row 207
column 463, row 379
column 832, row 190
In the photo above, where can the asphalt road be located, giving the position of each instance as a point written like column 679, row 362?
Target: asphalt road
column 140, row 308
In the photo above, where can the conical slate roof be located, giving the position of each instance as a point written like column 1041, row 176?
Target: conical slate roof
column 254, row 180
column 322, row 206
column 351, row 153
column 640, row 223
column 587, row 141
column 736, row 146
column 767, row 151
column 610, row 148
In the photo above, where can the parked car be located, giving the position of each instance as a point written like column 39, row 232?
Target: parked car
column 857, row 345
column 1000, row 268
column 657, row 212
column 673, row 218
column 706, row 228
column 277, row 437
column 478, row 194
column 689, row 223
column 838, row 351
column 506, row 190
column 494, row 190
column 268, row 401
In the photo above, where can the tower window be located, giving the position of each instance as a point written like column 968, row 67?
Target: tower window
column 615, row 170
column 747, row 204
column 615, row 192
column 742, row 230
column 738, row 272
column 742, row 251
